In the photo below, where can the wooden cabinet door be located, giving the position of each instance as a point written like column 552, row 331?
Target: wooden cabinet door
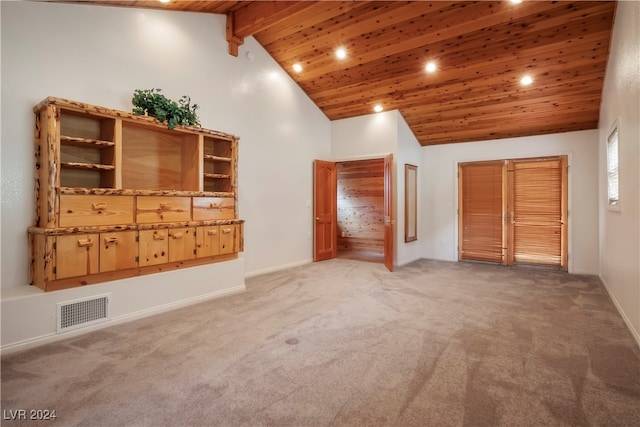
column 154, row 247
column 182, row 244
column 207, row 241
column 228, row 239
column 118, row 250
column 76, row 255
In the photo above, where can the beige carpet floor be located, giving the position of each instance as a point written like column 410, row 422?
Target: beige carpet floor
column 347, row 343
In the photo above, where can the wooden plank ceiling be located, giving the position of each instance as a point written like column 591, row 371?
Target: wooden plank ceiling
column 481, row 51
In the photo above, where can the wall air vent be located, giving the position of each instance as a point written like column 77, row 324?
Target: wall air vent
column 82, row 312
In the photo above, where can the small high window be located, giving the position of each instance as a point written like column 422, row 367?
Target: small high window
column 613, row 170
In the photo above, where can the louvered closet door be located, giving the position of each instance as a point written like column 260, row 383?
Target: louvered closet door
column 537, row 206
column 482, row 204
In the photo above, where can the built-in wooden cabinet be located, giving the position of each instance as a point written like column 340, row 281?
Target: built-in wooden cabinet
column 119, row 195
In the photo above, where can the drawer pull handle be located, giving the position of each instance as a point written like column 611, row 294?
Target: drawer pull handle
column 85, row 243
column 165, row 206
column 109, row 240
column 157, row 236
column 176, row 235
column 226, row 230
column 214, row 205
column 99, row 206
column 212, row 232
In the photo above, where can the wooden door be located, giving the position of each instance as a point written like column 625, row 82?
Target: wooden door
column 154, row 247
column 207, row 241
column 325, row 210
column 537, row 211
column 228, row 238
column 389, row 222
column 118, row 250
column 482, row 211
column 514, row 211
column 76, row 255
column 182, row 244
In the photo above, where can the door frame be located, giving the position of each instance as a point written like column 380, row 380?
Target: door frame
column 390, row 225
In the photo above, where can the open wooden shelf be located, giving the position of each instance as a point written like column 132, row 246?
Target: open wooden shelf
column 216, row 175
column 85, row 142
column 87, row 166
column 216, row 158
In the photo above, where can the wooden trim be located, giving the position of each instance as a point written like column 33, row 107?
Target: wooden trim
column 95, row 110
column 505, row 209
column 460, row 212
column 389, row 217
column 127, row 192
column 254, row 17
column 410, row 202
column 564, row 164
column 109, row 228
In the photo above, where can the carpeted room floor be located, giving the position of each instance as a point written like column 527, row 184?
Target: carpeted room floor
column 347, row 343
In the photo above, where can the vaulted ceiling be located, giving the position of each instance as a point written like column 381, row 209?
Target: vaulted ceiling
column 481, row 51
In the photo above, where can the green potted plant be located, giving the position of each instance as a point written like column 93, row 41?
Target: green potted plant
column 153, row 103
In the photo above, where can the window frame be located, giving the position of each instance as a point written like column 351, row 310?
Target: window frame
column 612, row 147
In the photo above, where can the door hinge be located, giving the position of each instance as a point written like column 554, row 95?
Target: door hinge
column 194, row 252
column 137, row 259
column 54, row 270
column 137, row 238
column 54, row 246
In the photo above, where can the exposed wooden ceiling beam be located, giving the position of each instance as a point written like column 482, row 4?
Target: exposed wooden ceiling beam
column 257, row 16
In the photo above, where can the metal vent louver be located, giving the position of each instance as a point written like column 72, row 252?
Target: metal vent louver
column 82, row 312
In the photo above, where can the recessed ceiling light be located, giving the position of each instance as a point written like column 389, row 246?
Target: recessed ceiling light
column 516, row 1
column 526, row 80
column 431, row 67
column 297, row 67
column 378, row 108
column 341, row 53
column 164, row 1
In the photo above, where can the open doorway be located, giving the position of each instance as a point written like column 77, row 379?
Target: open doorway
column 360, row 225
column 353, row 210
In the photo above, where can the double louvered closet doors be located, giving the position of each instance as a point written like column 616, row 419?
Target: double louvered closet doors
column 513, row 211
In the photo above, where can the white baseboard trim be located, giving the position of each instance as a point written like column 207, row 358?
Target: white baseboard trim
column 277, row 268
column 49, row 338
column 634, row 333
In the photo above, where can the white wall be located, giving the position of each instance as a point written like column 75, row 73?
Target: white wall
column 99, row 55
column 409, row 151
column 377, row 135
column 620, row 230
column 373, row 135
column 440, row 190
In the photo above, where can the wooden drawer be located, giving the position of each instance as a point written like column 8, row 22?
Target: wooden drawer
column 154, row 247
column 118, row 250
column 206, row 208
column 152, row 209
column 76, row 255
column 182, row 244
column 228, row 239
column 207, row 241
column 89, row 210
